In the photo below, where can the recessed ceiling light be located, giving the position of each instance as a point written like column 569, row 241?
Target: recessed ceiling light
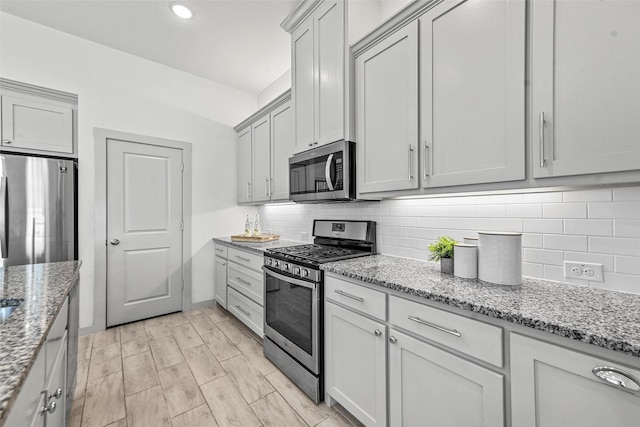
column 181, row 10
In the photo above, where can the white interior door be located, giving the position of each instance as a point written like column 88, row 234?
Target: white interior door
column 144, row 231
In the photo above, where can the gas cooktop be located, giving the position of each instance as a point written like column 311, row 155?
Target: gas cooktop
column 316, row 254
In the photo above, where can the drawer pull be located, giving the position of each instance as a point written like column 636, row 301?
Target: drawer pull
column 57, row 394
column 241, row 280
column 219, row 250
column 393, row 339
column 431, row 325
column 243, row 258
column 246, row 313
column 344, row 294
column 377, row 332
column 617, row 378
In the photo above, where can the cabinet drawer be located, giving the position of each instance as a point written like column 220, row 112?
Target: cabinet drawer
column 248, row 282
column 245, row 259
column 468, row 336
column 55, row 337
column 365, row 300
column 221, row 251
column 247, row 311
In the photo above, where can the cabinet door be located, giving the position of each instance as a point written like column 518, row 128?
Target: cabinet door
column 387, row 113
column 25, row 410
column 355, row 364
column 303, row 76
column 244, row 165
column 282, row 145
column 261, row 159
column 56, row 414
column 472, row 55
column 586, row 90
column 220, row 271
column 39, row 125
column 428, row 383
column 554, row 386
column 329, row 57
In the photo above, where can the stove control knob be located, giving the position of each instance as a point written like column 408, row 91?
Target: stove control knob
column 287, row 267
column 276, row 263
column 305, row 272
column 269, row 261
column 296, row 271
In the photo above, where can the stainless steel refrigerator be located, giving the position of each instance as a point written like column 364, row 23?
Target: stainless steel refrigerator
column 37, row 209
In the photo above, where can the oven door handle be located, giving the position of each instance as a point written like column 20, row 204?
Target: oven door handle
column 298, row 282
column 327, row 172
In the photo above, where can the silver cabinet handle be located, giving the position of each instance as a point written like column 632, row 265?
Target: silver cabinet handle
column 377, row 332
column 315, row 142
column 310, row 144
column 4, row 219
column 57, row 394
column 248, row 190
column 266, row 185
column 243, row 258
column 51, row 408
column 246, row 313
column 426, row 152
column 431, row 325
column 219, row 250
column 343, row 293
column 270, row 182
column 241, row 280
column 410, row 162
column 393, row 339
column 541, row 129
column 617, row 377
column 115, row 242
column 6, row 141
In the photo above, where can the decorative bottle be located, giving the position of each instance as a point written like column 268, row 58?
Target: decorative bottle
column 247, row 226
column 257, row 229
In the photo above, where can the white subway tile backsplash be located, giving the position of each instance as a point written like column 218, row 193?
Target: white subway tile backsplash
column 589, row 227
column 626, row 228
column 550, row 226
column 564, row 210
column 540, row 256
column 533, row 210
column 605, row 259
column 565, row 243
column 614, row 245
column 628, row 265
column 597, row 195
column 627, row 194
column 597, row 225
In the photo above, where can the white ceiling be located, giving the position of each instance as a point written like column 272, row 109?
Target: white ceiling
column 235, row 42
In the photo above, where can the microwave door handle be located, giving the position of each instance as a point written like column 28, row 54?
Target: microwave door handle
column 327, row 172
column 4, row 218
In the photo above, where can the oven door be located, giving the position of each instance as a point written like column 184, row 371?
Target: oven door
column 291, row 317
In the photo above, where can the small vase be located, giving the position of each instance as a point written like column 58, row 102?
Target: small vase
column 446, row 265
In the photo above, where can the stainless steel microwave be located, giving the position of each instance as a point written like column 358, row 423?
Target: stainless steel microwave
column 324, row 174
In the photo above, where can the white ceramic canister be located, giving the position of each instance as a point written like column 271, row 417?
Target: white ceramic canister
column 500, row 257
column 465, row 261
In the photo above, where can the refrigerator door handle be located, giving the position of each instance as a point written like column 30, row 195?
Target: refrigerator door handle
column 4, row 217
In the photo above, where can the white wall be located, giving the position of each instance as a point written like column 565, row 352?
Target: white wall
column 122, row 92
column 600, row 226
column 275, row 89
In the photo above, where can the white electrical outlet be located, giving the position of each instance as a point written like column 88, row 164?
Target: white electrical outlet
column 584, row 271
column 304, row 236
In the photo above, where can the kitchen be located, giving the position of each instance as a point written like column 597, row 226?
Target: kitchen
column 596, row 224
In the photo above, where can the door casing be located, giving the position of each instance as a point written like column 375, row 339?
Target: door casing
column 101, row 139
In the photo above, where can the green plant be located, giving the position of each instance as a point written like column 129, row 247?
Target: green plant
column 442, row 248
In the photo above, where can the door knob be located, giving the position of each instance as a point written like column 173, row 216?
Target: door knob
column 115, row 242
column 6, row 141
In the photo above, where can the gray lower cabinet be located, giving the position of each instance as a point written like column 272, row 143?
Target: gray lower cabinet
column 355, row 364
column 555, row 386
column 585, row 87
column 245, row 288
column 55, row 399
column 429, row 386
column 220, row 279
column 387, row 113
column 27, row 408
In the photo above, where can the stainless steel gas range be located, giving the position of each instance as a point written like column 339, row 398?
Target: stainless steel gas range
column 293, row 319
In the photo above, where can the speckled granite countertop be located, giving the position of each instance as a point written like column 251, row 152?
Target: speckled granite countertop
column 257, row 247
column 42, row 289
column 603, row 318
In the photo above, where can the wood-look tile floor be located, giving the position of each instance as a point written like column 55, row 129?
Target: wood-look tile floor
column 200, row 368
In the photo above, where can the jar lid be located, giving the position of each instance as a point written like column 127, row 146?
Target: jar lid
column 500, row 233
column 466, row 245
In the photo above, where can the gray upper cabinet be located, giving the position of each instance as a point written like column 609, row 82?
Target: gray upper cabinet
column 265, row 143
column 37, row 120
column 244, row 165
column 472, row 79
column 387, row 113
column 318, row 76
column 585, row 87
column 261, row 159
column 282, row 141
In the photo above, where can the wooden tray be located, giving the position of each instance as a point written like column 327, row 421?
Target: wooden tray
column 256, row 239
